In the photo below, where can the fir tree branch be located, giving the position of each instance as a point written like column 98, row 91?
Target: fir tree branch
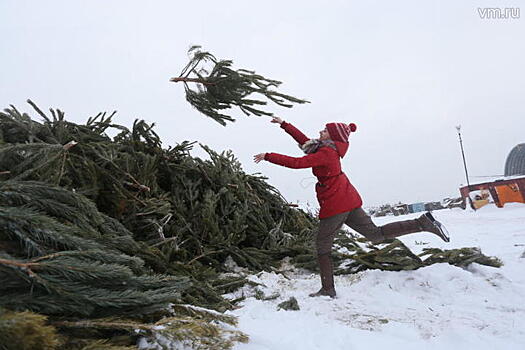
column 221, row 87
column 191, row 80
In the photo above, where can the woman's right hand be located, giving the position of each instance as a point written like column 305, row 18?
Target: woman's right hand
column 277, row 120
column 258, row 157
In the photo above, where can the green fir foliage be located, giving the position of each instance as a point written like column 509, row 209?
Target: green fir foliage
column 93, row 226
column 26, row 331
column 219, row 87
column 290, row 305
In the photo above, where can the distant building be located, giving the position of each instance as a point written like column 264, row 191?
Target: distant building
column 499, row 191
column 433, row 206
column 416, row 207
column 515, row 164
column 506, row 189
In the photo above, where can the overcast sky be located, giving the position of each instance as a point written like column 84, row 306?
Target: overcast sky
column 406, row 72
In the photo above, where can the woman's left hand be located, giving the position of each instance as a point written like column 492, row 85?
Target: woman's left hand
column 258, row 157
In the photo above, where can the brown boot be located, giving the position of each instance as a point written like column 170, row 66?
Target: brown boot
column 400, row 228
column 429, row 224
column 326, row 271
column 425, row 222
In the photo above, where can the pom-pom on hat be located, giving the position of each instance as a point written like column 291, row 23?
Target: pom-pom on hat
column 340, row 131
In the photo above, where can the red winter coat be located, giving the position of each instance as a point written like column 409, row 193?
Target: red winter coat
column 334, row 191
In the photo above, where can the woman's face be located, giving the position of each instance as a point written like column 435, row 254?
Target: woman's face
column 323, row 135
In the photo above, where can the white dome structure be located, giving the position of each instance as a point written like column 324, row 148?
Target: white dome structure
column 515, row 164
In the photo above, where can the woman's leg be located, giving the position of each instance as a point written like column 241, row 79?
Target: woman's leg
column 359, row 220
column 425, row 222
column 324, row 240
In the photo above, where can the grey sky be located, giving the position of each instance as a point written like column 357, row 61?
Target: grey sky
column 406, row 72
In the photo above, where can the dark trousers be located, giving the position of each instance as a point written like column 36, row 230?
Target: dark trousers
column 356, row 219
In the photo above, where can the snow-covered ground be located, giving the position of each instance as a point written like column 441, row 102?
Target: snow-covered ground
column 437, row 307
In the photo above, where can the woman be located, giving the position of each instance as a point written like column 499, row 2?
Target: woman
column 339, row 201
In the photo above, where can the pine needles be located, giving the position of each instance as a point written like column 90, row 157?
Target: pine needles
column 26, row 330
column 221, row 87
column 93, row 226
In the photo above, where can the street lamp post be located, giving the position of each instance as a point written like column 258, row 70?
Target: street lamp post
column 458, row 128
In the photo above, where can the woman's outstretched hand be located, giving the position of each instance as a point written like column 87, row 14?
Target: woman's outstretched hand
column 258, row 157
column 277, row 120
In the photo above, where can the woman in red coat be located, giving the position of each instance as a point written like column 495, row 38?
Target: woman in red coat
column 339, row 201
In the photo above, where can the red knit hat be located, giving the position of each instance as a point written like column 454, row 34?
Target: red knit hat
column 340, row 131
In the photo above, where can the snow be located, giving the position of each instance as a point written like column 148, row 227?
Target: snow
column 436, row 307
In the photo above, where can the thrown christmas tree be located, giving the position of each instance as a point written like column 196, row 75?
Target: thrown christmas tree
column 221, row 87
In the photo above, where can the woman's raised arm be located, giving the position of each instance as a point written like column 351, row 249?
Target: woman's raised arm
column 291, row 130
column 318, row 158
